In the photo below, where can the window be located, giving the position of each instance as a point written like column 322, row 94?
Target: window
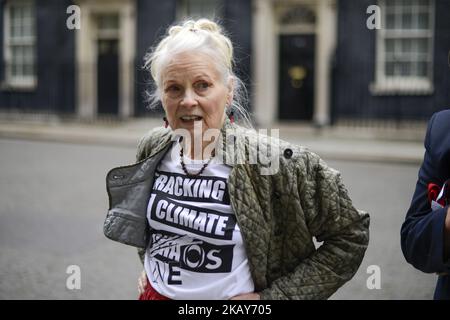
column 404, row 61
column 19, row 44
column 108, row 25
column 199, row 9
column 108, row 22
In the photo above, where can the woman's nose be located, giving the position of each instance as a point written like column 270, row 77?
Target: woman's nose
column 189, row 99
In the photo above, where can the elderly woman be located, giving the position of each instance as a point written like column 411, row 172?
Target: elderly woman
column 210, row 222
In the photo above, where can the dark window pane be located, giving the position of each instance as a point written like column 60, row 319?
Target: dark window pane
column 389, row 68
column 407, row 20
column 405, row 68
column 390, row 46
column 423, row 2
column 28, row 70
column 421, row 45
column 406, row 45
column 422, row 68
column 390, row 21
column 423, row 21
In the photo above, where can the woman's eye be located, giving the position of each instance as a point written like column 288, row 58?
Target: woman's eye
column 173, row 91
column 172, row 88
column 201, row 86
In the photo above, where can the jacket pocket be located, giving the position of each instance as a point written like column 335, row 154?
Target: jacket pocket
column 126, row 227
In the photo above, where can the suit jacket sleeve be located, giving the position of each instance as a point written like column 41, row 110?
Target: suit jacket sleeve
column 422, row 232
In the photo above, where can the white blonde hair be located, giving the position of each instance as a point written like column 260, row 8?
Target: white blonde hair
column 203, row 36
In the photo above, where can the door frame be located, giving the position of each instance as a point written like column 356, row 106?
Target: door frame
column 86, row 56
column 265, row 67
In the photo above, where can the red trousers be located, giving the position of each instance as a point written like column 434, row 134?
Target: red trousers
column 151, row 294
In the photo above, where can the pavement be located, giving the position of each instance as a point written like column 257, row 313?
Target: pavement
column 392, row 144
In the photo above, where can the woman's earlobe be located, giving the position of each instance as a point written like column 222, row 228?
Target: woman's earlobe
column 229, row 100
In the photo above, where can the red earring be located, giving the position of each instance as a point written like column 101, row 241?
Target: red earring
column 166, row 123
column 231, row 117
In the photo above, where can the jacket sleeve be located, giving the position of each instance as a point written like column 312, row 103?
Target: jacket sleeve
column 331, row 218
column 141, row 153
column 423, row 231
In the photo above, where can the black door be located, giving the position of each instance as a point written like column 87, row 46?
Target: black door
column 108, row 77
column 296, row 78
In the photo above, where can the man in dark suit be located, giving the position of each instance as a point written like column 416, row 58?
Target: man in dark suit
column 425, row 233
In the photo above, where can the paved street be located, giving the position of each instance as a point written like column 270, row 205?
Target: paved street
column 53, row 203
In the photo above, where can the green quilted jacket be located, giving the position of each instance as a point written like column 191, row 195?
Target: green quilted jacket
column 278, row 214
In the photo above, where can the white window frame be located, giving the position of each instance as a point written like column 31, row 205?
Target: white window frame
column 10, row 81
column 406, row 85
column 182, row 11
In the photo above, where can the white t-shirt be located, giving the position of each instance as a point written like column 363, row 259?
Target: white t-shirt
column 196, row 249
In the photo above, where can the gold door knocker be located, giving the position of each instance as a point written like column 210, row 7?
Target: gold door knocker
column 297, row 74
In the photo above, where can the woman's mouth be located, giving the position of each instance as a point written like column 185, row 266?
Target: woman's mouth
column 191, row 118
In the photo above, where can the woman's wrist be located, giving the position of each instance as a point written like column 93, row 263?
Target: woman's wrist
column 247, row 296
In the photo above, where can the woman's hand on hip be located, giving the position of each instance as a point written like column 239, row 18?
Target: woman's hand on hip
column 142, row 282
